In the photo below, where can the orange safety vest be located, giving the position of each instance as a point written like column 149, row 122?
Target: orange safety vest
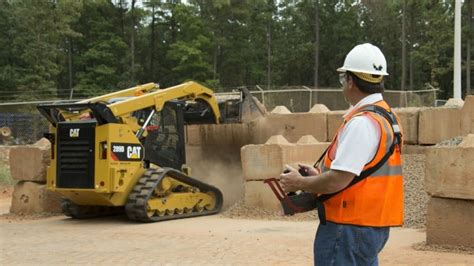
column 376, row 200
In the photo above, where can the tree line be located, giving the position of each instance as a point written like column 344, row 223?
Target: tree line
column 66, row 48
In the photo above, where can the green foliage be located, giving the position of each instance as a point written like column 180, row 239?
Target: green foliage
column 5, row 176
column 49, row 47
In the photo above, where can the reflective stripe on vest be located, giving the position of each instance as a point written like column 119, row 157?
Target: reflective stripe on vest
column 378, row 199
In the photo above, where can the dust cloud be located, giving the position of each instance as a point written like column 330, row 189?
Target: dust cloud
column 218, row 167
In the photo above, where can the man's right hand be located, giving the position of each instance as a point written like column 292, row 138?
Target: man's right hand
column 310, row 170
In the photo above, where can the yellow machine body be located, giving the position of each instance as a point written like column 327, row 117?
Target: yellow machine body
column 113, row 179
column 111, row 151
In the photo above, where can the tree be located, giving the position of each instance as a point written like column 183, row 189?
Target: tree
column 101, row 51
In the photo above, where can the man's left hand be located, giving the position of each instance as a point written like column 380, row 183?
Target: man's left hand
column 292, row 180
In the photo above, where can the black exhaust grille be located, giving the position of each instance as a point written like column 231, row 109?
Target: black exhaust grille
column 75, row 161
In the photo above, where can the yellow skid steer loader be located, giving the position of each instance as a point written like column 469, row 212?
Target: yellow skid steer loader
column 125, row 151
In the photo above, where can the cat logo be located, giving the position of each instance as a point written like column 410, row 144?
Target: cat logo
column 74, row 132
column 378, row 68
column 133, row 152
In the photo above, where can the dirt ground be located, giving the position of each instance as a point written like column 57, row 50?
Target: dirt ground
column 214, row 240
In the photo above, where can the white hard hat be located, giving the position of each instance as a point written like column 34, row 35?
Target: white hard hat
column 367, row 59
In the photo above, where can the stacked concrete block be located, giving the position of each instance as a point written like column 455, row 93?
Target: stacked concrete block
column 28, row 165
column 32, row 197
column 467, row 116
column 280, row 109
column 319, row 108
column 450, row 222
column 438, row 124
column 267, row 160
column 224, row 134
column 291, row 126
column 449, row 179
column 29, row 162
column 335, row 120
column 409, row 122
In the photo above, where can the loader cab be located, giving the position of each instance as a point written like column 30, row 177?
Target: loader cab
column 164, row 143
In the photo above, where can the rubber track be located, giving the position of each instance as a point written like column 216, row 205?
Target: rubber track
column 136, row 206
column 84, row 212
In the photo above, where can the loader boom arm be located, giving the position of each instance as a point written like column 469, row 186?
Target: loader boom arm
column 135, row 91
column 133, row 99
column 157, row 99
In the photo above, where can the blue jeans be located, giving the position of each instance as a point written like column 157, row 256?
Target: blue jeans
column 340, row 244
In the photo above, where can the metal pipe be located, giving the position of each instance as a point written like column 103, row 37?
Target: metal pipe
column 457, row 50
column 142, row 129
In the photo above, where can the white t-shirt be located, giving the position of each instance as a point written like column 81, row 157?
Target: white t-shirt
column 358, row 141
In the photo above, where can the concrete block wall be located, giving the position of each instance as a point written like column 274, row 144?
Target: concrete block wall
column 467, row 116
column 267, row 160
column 335, row 120
column 409, row 122
column 424, row 126
column 292, row 126
column 29, row 163
column 28, row 166
column 449, row 180
column 449, row 172
column 438, row 124
column 32, row 197
column 450, row 222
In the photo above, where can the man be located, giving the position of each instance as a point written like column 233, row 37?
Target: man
column 361, row 184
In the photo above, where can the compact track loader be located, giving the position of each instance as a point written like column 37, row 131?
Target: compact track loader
column 125, row 151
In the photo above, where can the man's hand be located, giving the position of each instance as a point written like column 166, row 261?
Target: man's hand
column 291, row 181
column 310, row 170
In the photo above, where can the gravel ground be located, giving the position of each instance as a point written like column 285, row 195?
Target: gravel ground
column 242, row 211
column 416, row 198
column 450, row 142
column 443, row 248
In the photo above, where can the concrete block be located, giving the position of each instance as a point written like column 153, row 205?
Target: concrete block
column 437, row 124
column 335, row 120
column 467, row 116
column 291, row 126
column 467, row 142
column 260, row 195
column 264, row 161
column 31, row 197
column 193, row 135
column 450, row 222
column 409, row 122
column 304, row 153
column 43, row 142
column 29, row 163
column 414, row 149
column 454, row 102
column 278, row 139
column 319, row 108
column 308, row 139
column 280, row 109
column 449, row 172
column 221, row 134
